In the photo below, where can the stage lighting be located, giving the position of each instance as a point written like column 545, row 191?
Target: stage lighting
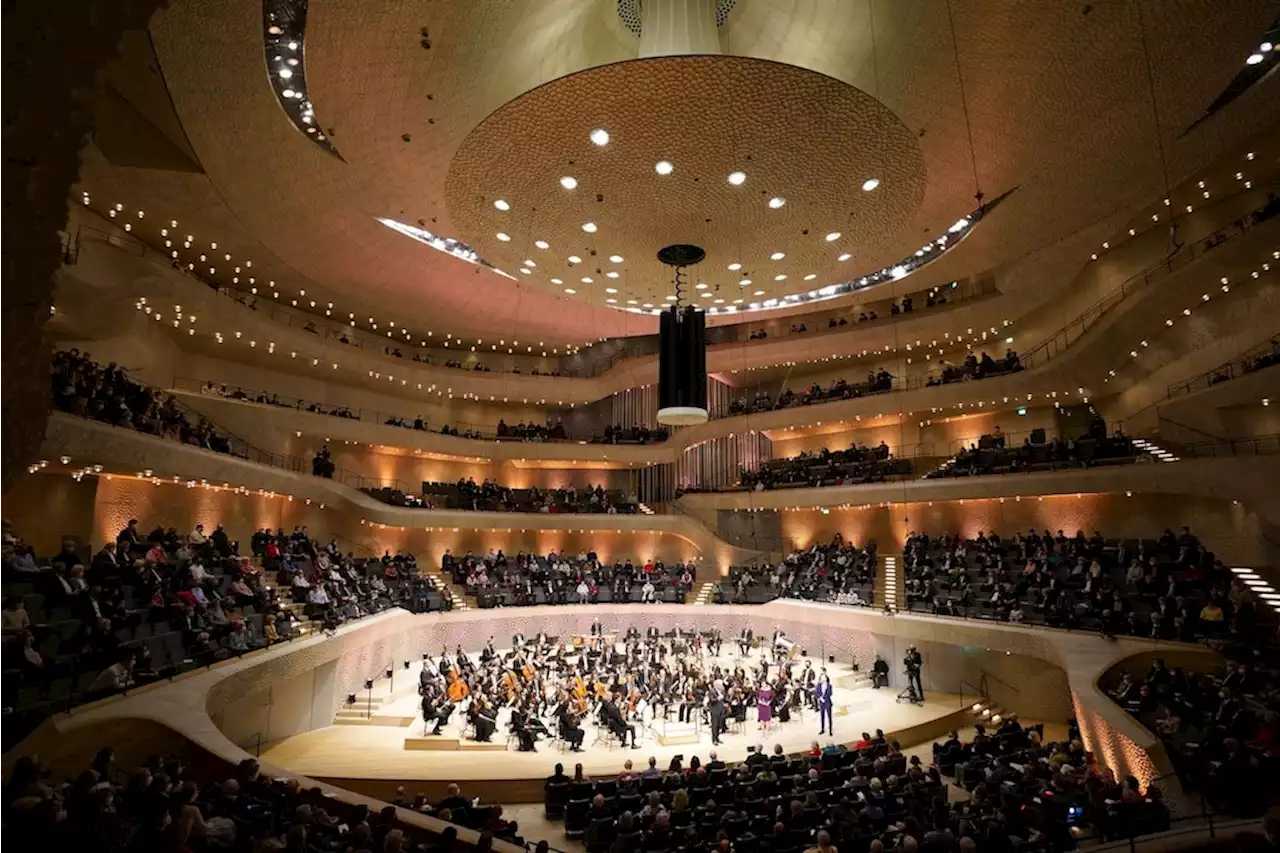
column 391, row 670
column 368, row 684
column 351, row 698
column 406, row 664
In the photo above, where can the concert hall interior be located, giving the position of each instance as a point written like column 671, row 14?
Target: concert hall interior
column 642, row 426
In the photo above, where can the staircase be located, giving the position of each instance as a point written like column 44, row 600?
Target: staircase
column 450, row 590
column 704, row 594
column 890, row 588
column 1162, row 454
column 644, row 509
column 284, row 595
column 381, row 706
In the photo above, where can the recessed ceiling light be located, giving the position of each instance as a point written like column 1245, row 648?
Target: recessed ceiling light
column 574, row 259
column 702, row 285
column 600, row 136
column 777, row 202
column 670, row 298
column 503, row 237
column 662, row 167
column 529, row 263
column 586, row 279
column 501, row 204
column 811, row 276
column 1254, row 59
column 570, row 291
column 759, row 293
column 526, row 270
column 542, row 244
column 615, row 259
column 777, row 256
column 611, row 274
column 869, row 184
column 611, row 290
column 736, row 178
column 568, row 182
column 846, row 256
column 834, row 235
column 589, row 227
column 612, row 301
column 735, row 266
column 556, row 281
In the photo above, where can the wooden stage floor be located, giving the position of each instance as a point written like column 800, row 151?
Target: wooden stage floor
column 374, row 760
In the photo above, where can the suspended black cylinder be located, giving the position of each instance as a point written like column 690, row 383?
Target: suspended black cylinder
column 682, row 369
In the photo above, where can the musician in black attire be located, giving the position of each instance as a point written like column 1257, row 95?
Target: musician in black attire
column 483, row 718
column 880, row 673
column 714, row 641
column 613, row 720
column 434, row 709
column 597, row 630
column 745, row 639
column 520, row 725
column 570, row 732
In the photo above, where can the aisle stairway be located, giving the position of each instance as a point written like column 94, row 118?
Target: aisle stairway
column 890, row 588
column 461, row 601
column 373, row 707
column 1156, row 449
column 704, row 594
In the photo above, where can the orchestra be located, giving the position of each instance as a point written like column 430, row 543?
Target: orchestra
column 622, row 686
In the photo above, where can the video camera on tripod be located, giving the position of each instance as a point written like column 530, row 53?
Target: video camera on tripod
column 912, row 661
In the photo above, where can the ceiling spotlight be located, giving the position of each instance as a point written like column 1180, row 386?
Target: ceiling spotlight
column 570, row 291
column 780, row 277
column 501, row 204
column 504, row 237
column 615, row 259
column 574, row 259
column 777, row 202
column 777, row 256
column 589, row 227
column 600, row 136
column 869, row 184
column 530, row 264
column 702, row 285
column 844, row 257
column 1254, row 59
column 612, row 274
column 811, row 276
column 736, row 178
column 662, row 167
column 834, row 235
column 542, row 244
column 759, row 293
column 611, row 290
column 569, row 182
column 556, row 281
column 586, row 279
column 735, row 266
column 744, row 282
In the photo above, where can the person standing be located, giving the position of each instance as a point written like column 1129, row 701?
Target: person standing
column 823, row 699
column 718, row 712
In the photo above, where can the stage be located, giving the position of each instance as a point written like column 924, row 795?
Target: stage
column 374, row 747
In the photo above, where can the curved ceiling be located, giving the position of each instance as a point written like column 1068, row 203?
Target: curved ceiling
column 1058, row 106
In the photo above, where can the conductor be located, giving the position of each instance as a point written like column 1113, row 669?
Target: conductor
column 718, row 713
column 613, row 720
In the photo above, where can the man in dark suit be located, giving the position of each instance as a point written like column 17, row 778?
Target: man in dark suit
column 613, row 720
column 823, row 699
column 718, row 713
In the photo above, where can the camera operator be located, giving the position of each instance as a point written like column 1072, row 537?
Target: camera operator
column 912, row 661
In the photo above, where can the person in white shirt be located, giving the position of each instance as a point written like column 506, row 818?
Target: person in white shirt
column 198, row 572
column 584, row 591
column 646, row 591
column 318, row 595
column 300, row 581
column 197, row 536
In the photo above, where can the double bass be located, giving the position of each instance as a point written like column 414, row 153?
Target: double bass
column 458, row 689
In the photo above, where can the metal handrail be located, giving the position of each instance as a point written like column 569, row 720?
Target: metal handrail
column 1259, row 445
column 1233, row 369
